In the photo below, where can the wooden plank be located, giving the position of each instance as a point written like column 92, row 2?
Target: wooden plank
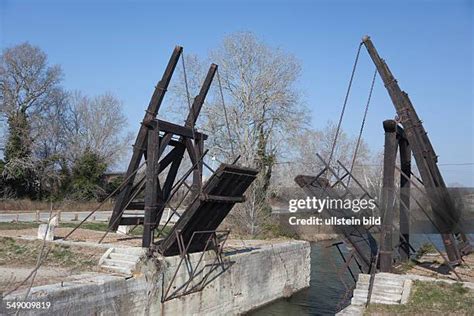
column 223, row 199
column 179, row 130
column 206, row 215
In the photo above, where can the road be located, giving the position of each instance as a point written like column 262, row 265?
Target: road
column 73, row 216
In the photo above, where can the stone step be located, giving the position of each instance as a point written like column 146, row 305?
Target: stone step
column 381, row 276
column 119, row 263
column 117, row 269
column 351, row 310
column 382, row 282
column 122, row 256
column 379, row 288
column 361, row 302
column 361, row 294
column 134, row 251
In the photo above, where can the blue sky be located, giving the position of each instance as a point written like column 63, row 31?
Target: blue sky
column 122, row 47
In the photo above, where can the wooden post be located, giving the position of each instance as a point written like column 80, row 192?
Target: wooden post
column 151, row 187
column 388, row 194
column 197, row 173
column 37, row 216
column 405, row 161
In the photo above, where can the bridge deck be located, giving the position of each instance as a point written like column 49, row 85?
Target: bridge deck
column 220, row 193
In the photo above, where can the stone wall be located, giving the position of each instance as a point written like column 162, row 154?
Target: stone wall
column 252, row 277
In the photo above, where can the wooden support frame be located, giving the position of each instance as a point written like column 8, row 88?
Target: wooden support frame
column 138, row 148
column 442, row 204
column 154, row 137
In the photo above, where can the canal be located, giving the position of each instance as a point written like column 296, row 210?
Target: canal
column 325, row 295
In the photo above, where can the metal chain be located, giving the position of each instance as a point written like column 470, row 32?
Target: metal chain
column 344, row 104
column 354, row 157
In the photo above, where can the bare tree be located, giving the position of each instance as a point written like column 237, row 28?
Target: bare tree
column 26, row 80
column 262, row 112
column 27, row 87
column 96, row 124
column 303, row 159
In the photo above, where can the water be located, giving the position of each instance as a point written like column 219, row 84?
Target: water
column 323, row 296
column 324, row 293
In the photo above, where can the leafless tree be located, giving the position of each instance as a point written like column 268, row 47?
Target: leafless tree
column 96, row 124
column 28, row 86
column 303, row 159
column 263, row 111
column 26, row 80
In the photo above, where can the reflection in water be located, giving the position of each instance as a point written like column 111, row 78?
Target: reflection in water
column 323, row 297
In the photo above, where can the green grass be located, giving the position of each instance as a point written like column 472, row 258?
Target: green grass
column 404, row 267
column 425, row 249
column 24, row 253
column 20, row 225
column 431, row 298
column 99, row 226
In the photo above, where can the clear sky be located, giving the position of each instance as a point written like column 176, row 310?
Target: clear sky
column 122, row 47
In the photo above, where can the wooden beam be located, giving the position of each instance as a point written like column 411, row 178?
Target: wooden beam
column 199, row 99
column 151, row 188
column 404, row 222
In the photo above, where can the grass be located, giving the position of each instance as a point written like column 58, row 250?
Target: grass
column 99, row 226
column 17, row 226
column 404, row 267
column 426, row 248
column 24, row 253
column 431, row 298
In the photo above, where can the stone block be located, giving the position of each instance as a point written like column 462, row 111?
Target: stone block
column 46, row 232
column 124, row 229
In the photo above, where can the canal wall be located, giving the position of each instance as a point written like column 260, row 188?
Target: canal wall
column 247, row 278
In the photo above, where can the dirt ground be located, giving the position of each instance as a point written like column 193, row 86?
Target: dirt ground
column 79, row 235
column 60, row 262
column 94, row 236
column 18, row 254
column 431, row 265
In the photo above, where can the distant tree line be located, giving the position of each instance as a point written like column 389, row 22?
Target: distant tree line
column 56, row 144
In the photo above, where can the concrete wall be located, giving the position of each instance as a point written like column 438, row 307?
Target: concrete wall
column 251, row 279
